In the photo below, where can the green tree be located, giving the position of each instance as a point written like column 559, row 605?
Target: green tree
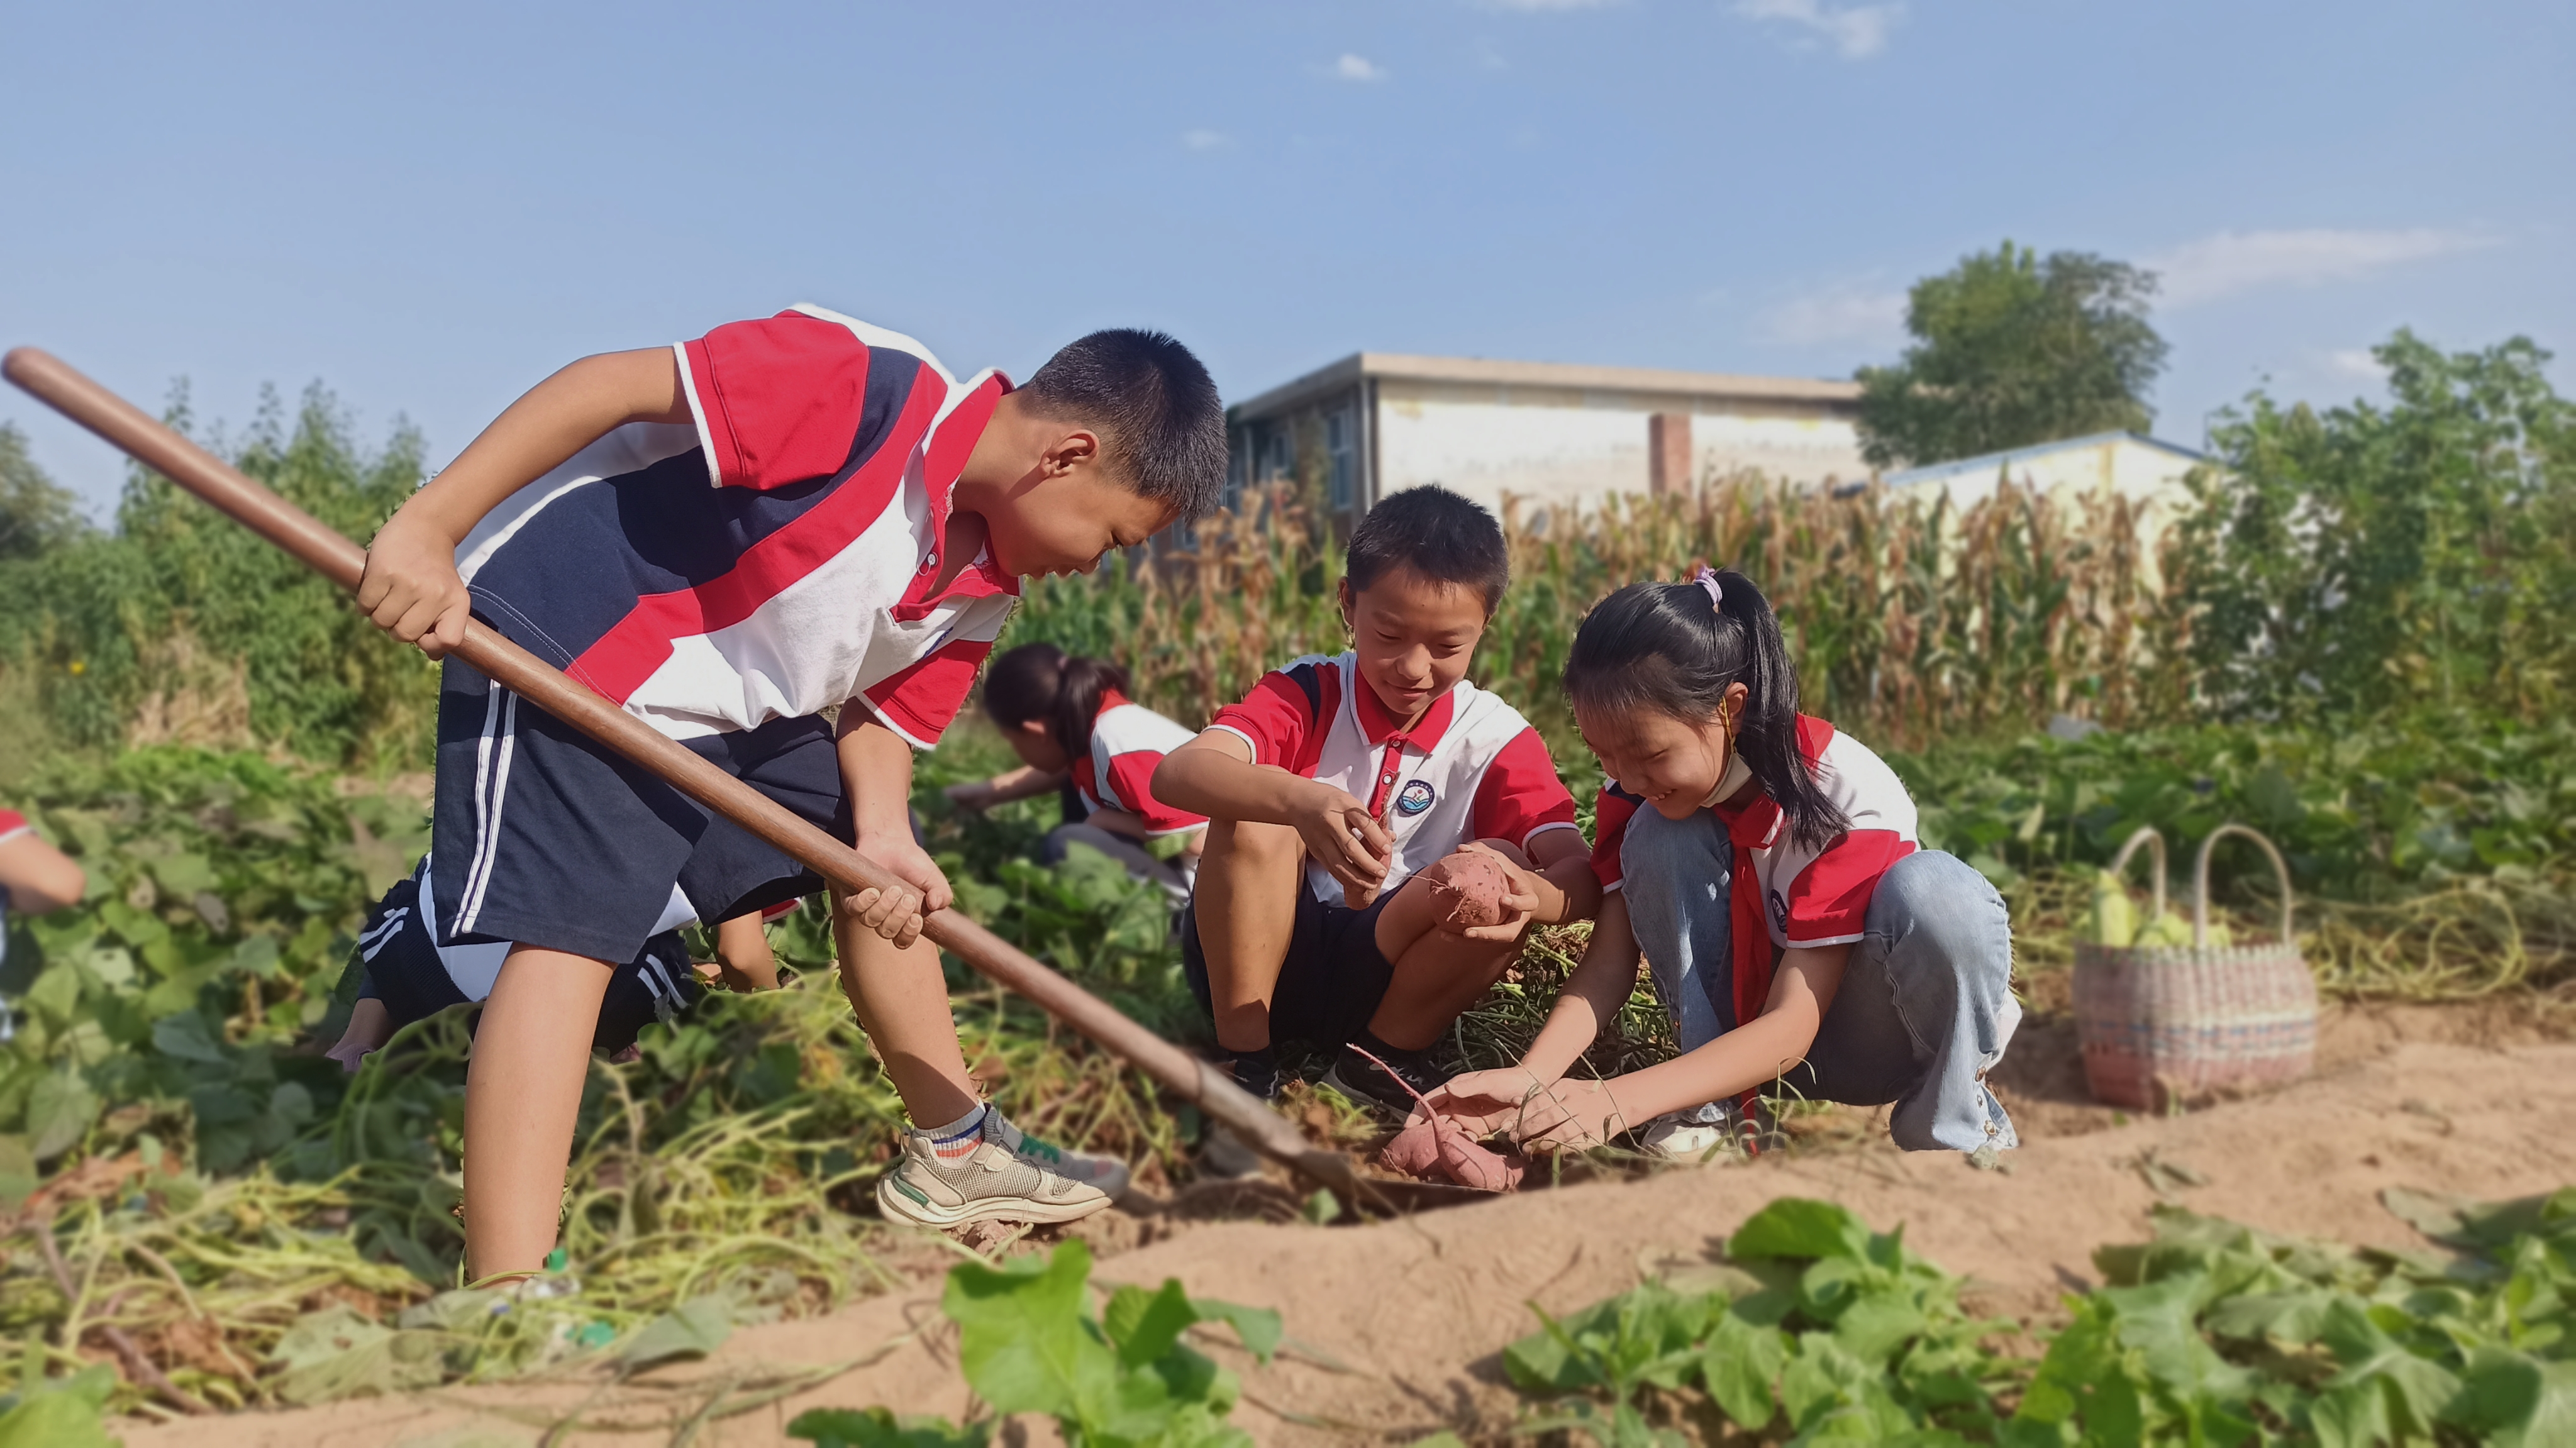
column 2013, row 349
column 2365, row 557
column 179, row 596
column 35, row 513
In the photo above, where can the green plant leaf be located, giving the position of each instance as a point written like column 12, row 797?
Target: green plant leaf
column 695, row 1328
column 337, row 1353
column 1259, row 1328
column 880, row 1428
column 1740, row 1364
column 1144, row 1324
column 58, row 1419
column 1797, row 1227
column 1023, row 1340
column 185, row 1037
column 60, row 1108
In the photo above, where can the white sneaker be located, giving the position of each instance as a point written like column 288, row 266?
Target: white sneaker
column 1675, row 1137
column 1009, row 1177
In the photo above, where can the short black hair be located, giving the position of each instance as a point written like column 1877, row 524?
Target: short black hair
column 1437, row 534
column 1162, row 427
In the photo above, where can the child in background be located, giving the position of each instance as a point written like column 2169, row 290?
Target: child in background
column 407, row 976
column 1336, row 781
column 1070, row 721
column 1765, row 863
column 35, row 879
column 727, row 537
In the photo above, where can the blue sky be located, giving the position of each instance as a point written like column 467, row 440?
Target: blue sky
column 427, row 209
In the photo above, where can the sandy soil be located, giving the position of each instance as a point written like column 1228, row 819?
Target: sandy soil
column 1396, row 1326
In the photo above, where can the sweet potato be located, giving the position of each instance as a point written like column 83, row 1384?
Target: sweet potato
column 1467, row 889
column 1436, row 1144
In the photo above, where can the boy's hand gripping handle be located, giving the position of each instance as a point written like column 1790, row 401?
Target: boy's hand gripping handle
column 326, row 552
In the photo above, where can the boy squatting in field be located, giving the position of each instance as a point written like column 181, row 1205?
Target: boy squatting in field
column 1766, row 865
column 1069, row 719
column 727, row 537
column 405, row 975
column 1336, row 781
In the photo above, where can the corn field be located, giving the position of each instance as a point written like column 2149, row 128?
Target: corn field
column 1909, row 622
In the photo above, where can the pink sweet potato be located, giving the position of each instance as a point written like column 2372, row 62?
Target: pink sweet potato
column 1467, row 889
column 1415, row 1150
column 1436, row 1145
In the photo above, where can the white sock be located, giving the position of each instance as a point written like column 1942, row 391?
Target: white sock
column 958, row 1139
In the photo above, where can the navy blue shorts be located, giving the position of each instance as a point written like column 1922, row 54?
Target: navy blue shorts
column 406, row 970
column 1329, row 985
column 544, row 838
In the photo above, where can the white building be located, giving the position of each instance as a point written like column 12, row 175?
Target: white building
column 2139, row 468
column 1375, row 423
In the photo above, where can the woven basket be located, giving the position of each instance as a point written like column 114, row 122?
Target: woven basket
column 2160, row 1025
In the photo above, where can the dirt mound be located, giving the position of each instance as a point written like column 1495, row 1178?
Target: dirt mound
column 1395, row 1326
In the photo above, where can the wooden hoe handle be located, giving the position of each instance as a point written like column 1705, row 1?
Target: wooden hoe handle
column 319, row 548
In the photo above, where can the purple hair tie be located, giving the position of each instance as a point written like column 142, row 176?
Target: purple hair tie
column 1716, row 594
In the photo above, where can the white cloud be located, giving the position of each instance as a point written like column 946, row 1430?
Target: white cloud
column 2356, row 363
column 2243, row 261
column 1854, row 31
column 1843, row 315
column 1358, row 68
column 1203, row 139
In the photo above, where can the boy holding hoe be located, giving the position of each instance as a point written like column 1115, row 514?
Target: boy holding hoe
column 1350, row 800
column 727, row 537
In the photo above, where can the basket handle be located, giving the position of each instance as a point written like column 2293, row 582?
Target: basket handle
column 2155, row 844
column 2200, row 884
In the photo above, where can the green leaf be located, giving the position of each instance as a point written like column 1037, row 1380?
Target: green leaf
column 2515, row 1400
column 1798, row 1227
column 1740, row 1364
column 1023, row 1340
column 184, row 874
column 880, row 1428
column 60, row 1417
column 56, row 993
column 185, row 1037
column 1144, row 1324
column 695, row 1328
column 1260, row 1328
column 336, row 1353
column 60, row 1108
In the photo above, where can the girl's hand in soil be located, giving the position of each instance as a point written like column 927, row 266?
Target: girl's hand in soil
column 1568, row 1115
column 1342, row 837
column 1484, row 1102
column 410, row 588
column 1521, row 899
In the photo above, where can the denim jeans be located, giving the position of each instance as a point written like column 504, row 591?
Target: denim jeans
column 1925, row 1007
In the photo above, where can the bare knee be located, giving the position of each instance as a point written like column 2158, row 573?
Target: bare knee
column 1252, row 843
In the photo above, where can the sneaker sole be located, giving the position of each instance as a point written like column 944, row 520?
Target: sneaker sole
column 898, row 1207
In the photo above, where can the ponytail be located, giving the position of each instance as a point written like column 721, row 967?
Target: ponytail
column 1676, row 648
column 1044, row 683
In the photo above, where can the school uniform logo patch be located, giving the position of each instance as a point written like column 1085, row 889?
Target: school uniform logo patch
column 1779, row 912
column 1414, row 798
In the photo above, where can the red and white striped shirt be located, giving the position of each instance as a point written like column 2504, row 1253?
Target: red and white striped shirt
column 772, row 558
column 1128, row 741
column 1473, row 769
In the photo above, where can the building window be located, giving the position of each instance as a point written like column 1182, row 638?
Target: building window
column 1344, row 457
